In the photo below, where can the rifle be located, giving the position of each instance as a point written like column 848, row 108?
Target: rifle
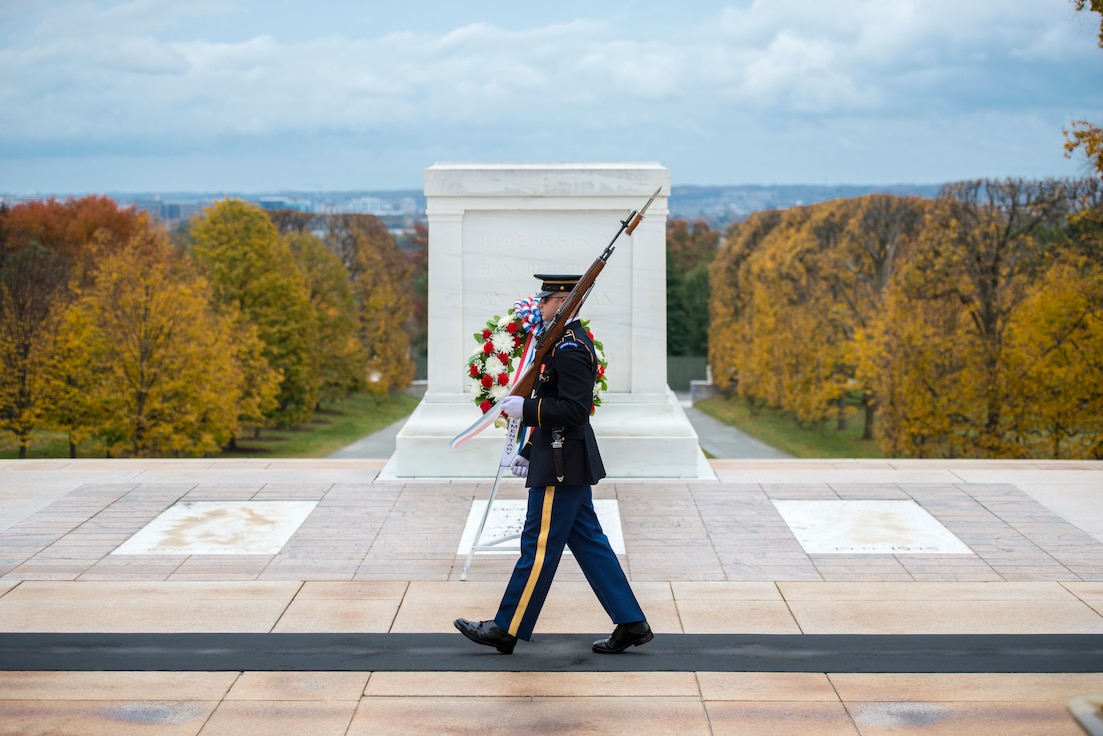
column 570, row 308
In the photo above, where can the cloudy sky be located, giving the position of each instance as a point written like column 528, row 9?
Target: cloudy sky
column 267, row 95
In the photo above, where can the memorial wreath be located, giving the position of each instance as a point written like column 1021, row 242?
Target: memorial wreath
column 502, row 342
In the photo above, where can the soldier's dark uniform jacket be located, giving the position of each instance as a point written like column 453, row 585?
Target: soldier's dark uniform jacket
column 564, row 399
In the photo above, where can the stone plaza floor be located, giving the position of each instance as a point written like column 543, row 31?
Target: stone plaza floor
column 104, row 561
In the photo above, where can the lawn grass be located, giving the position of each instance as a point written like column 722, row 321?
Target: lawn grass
column 359, row 415
column 779, row 429
column 333, row 427
column 43, row 445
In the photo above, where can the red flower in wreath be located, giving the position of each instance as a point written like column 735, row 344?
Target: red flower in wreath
column 501, row 342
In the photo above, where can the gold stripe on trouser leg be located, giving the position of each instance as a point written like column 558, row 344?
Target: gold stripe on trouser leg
column 537, row 563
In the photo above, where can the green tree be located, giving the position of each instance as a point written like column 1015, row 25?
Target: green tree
column 253, row 273
column 690, row 250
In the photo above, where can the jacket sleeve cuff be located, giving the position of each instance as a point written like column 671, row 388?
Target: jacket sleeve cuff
column 531, row 412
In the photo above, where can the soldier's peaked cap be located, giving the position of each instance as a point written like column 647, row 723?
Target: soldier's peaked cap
column 555, row 283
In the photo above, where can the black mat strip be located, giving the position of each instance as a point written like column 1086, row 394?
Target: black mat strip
column 552, row 653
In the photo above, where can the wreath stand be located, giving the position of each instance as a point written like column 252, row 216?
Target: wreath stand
column 513, row 444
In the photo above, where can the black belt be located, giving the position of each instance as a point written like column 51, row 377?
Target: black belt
column 557, row 452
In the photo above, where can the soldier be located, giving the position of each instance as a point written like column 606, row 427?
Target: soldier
column 561, row 462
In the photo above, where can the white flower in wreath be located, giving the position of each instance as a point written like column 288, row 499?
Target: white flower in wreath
column 502, row 342
column 497, row 393
column 493, row 366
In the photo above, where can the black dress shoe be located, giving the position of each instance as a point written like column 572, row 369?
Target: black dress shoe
column 488, row 633
column 624, row 636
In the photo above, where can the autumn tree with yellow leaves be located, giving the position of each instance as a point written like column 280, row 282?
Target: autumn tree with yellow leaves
column 878, row 233
column 44, row 246
column 1055, row 341
column 341, row 357
column 731, row 315
column 1084, row 135
column 135, row 346
column 253, row 273
column 798, row 302
column 983, row 245
column 32, row 284
column 792, row 354
column 381, row 277
column 143, row 363
column 1055, row 365
column 968, row 325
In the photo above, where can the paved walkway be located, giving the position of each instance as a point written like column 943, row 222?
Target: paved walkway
column 725, row 442
column 705, row 557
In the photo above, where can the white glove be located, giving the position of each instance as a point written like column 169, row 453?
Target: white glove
column 519, row 466
column 513, row 407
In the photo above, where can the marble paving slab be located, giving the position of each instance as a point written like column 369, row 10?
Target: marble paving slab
column 867, row 527
column 507, row 517
column 220, row 528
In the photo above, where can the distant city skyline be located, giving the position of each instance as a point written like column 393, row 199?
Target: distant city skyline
column 402, row 209
column 248, row 96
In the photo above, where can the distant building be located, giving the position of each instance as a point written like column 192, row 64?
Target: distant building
column 152, row 207
column 167, row 212
column 285, row 203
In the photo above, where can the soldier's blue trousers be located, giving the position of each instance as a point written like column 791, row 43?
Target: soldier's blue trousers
column 561, row 516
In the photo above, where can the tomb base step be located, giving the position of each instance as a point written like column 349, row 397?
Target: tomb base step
column 646, row 436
